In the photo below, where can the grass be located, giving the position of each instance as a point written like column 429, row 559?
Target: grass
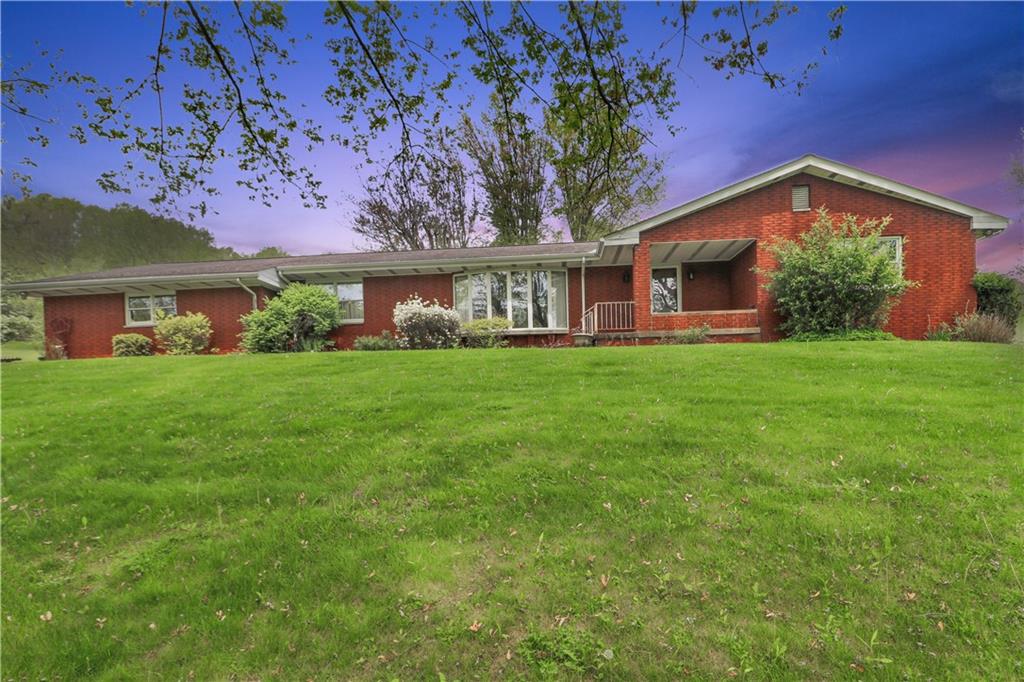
column 819, row 510
column 25, row 351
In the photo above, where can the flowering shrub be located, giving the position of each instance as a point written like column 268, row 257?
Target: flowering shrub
column 183, row 334
column 298, row 319
column 835, row 277
column 426, row 325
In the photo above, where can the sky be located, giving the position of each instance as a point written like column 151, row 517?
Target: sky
column 930, row 94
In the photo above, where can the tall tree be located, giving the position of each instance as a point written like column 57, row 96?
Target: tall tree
column 419, row 203
column 211, row 93
column 510, row 160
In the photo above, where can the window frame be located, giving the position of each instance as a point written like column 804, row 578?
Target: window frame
column 898, row 239
column 679, row 288
column 129, row 322
column 507, row 271
column 792, row 204
column 334, row 289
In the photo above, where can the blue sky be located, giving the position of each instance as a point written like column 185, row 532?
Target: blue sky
column 931, row 94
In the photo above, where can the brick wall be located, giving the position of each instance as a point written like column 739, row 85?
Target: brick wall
column 938, row 249
column 88, row 323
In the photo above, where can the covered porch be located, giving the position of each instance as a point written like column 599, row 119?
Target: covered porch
column 680, row 285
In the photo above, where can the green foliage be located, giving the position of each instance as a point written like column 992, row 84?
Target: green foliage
column 555, row 653
column 486, row 333
column 20, row 318
column 131, row 345
column 186, row 334
column 983, row 327
column 845, row 335
column 419, row 493
column 296, row 320
column 690, row 336
column 999, row 295
column 940, row 332
column 383, row 342
column 424, row 325
column 835, row 277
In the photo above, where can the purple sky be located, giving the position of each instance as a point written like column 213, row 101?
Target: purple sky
column 928, row 94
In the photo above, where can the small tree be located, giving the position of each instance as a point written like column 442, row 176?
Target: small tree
column 298, row 319
column 423, row 325
column 835, row 277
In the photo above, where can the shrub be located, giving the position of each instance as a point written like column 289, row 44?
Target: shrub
column 131, row 345
column 986, row 328
column 298, row 319
column 835, row 277
column 486, row 333
column 846, row 335
column 942, row 332
column 426, row 325
column 999, row 295
column 383, row 342
column 687, row 336
column 186, row 334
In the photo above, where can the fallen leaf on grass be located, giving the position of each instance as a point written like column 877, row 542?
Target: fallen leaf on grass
column 604, row 581
column 100, row 622
column 941, row 626
column 607, row 505
column 46, row 617
column 475, row 627
column 221, row 615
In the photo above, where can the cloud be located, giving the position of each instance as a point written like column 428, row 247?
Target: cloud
column 1008, row 86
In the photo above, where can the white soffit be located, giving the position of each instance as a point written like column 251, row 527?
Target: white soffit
column 706, row 251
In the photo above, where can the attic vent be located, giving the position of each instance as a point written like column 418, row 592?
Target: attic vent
column 801, row 198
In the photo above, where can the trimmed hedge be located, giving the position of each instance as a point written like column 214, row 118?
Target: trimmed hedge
column 131, row 345
column 999, row 295
column 186, row 334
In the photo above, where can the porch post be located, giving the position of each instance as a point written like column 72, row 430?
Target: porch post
column 583, row 286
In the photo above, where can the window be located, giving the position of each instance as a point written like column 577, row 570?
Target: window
column 894, row 245
column 801, row 197
column 350, row 300
column 532, row 299
column 665, row 290
column 143, row 310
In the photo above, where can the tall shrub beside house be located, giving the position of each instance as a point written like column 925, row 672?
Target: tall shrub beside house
column 186, row 334
column 999, row 295
column 837, row 277
column 298, row 319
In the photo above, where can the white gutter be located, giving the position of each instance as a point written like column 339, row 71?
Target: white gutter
column 255, row 299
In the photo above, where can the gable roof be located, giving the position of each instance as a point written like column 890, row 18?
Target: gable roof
column 981, row 220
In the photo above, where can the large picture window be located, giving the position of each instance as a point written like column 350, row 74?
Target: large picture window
column 532, row 299
column 143, row 310
column 665, row 290
column 350, row 300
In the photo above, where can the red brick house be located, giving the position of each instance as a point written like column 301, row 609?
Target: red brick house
column 685, row 267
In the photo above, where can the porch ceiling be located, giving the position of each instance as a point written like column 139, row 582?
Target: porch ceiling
column 703, row 251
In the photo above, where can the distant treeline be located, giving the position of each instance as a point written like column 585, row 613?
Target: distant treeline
column 45, row 236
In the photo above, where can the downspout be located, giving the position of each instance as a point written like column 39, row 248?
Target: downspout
column 255, row 298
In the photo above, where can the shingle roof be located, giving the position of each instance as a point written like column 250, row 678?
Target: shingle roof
column 328, row 261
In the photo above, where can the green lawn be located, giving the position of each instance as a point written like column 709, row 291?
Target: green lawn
column 774, row 511
column 25, row 351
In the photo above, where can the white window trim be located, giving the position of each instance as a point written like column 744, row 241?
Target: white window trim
column 508, row 296
column 361, row 283
column 129, row 322
column 899, row 247
column 801, row 210
column 679, row 288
